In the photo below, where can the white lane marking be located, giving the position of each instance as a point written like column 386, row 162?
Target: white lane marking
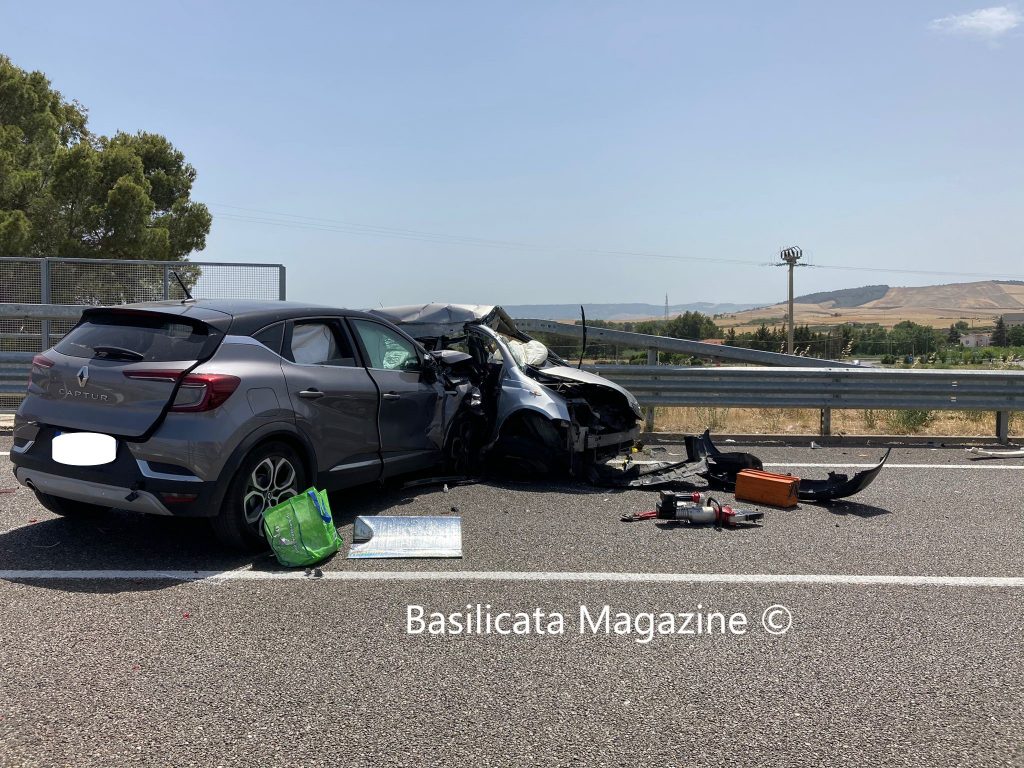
column 979, row 465
column 5, row 453
column 553, row 576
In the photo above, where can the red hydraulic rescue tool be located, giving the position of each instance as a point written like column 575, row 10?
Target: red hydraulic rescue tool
column 697, row 509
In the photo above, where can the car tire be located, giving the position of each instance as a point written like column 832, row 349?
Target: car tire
column 529, row 447
column 270, row 474
column 69, row 507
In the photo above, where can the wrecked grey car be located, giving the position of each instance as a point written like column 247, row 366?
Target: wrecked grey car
column 519, row 404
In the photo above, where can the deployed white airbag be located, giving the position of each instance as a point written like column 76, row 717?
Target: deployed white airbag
column 532, row 353
column 313, row 344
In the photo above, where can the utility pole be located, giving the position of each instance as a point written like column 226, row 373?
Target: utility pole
column 666, row 307
column 790, row 257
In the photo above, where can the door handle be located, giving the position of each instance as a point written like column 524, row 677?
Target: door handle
column 311, row 394
column 391, row 396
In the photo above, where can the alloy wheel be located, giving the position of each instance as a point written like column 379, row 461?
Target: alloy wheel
column 272, row 480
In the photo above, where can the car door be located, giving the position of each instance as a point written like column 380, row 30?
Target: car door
column 411, row 431
column 334, row 398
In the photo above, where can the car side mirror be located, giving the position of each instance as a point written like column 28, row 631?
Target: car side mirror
column 428, row 369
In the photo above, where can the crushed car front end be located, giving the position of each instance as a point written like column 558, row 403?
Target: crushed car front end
column 526, row 405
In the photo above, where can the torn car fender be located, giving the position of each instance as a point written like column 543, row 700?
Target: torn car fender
column 520, row 393
column 518, row 396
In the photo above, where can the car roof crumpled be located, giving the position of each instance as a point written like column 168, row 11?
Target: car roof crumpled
column 435, row 320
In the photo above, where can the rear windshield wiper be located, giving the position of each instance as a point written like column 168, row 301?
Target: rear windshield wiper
column 117, row 353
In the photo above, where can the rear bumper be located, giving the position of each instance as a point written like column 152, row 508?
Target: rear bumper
column 126, row 483
column 90, row 492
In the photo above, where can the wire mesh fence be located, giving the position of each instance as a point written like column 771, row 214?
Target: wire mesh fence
column 108, row 281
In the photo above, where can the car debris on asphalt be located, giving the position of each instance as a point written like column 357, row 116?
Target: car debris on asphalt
column 706, row 466
column 983, row 453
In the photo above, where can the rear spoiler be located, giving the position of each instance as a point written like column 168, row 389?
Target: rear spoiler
column 190, row 314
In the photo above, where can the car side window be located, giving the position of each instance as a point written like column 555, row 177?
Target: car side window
column 318, row 342
column 271, row 337
column 385, row 349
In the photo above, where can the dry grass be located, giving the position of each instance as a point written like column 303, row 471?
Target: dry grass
column 805, row 421
column 817, row 316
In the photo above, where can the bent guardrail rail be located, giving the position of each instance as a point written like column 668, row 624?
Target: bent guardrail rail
column 684, row 346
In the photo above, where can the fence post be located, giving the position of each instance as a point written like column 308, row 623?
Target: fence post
column 652, row 359
column 826, row 422
column 1003, row 426
column 44, row 298
column 167, row 282
column 281, row 283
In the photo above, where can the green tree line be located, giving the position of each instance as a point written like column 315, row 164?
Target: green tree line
column 849, row 340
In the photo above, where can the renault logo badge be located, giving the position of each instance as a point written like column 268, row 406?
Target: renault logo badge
column 83, row 375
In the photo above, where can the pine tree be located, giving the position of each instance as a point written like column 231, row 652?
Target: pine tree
column 999, row 336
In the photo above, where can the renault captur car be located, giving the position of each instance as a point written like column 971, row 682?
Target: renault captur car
column 222, row 409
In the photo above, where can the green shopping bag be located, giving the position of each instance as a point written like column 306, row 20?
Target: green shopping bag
column 301, row 530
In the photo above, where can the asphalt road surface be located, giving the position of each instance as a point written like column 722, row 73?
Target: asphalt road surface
column 901, row 643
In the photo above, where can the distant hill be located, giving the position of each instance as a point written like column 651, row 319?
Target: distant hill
column 617, row 312
column 847, row 297
column 936, row 305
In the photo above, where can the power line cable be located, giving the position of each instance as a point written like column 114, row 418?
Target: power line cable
column 318, row 223
column 324, row 225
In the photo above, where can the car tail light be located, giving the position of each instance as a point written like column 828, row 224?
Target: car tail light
column 198, row 391
column 42, row 362
column 204, row 391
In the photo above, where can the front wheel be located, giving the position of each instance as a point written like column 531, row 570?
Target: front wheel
column 529, row 446
column 271, row 473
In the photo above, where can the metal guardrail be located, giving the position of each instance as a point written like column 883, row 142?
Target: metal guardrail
column 14, row 370
column 824, row 389
column 669, row 344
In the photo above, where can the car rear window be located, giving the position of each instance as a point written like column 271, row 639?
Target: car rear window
column 135, row 338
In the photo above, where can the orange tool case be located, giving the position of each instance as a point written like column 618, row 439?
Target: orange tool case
column 767, row 488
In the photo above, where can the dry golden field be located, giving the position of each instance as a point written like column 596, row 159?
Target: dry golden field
column 803, row 421
column 936, row 305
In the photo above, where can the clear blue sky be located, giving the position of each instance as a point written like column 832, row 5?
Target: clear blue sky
column 872, row 134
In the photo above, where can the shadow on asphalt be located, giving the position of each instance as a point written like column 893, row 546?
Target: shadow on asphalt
column 844, row 507
column 125, row 541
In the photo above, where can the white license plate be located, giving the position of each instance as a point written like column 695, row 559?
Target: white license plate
column 83, row 449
